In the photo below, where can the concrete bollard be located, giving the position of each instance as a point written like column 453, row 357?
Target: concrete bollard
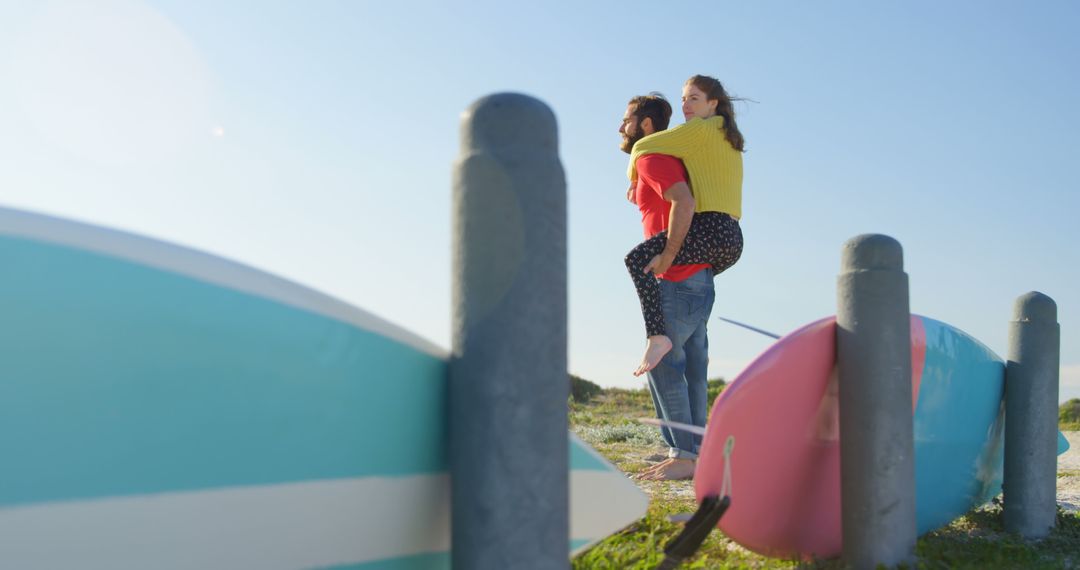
column 508, row 371
column 877, row 452
column 1031, row 410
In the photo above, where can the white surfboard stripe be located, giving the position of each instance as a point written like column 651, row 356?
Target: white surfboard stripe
column 296, row 525
column 202, row 266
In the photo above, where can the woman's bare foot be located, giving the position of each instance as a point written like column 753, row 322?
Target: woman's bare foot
column 655, row 349
column 669, row 470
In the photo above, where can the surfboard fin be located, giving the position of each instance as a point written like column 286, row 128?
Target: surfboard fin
column 694, row 533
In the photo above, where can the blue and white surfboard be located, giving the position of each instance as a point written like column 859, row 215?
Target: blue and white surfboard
column 161, row 407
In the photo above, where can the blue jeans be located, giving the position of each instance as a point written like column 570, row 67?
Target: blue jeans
column 679, row 383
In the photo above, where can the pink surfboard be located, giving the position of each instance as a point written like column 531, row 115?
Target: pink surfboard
column 785, row 464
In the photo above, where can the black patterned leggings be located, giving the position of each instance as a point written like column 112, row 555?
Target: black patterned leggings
column 714, row 238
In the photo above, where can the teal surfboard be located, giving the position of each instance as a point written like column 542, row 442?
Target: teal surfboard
column 161, row 407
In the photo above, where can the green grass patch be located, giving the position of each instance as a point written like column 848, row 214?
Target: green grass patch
column 607, row 421
column 978, row 540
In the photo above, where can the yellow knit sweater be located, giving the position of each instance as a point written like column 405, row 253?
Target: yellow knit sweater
column 715, row 167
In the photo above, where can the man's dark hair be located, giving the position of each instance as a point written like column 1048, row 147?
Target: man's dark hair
column 652, row 106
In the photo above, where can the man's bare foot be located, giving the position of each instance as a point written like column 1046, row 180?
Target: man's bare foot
column 644, row 473
column 656, row 472
column 655, row 349
column 669, row 470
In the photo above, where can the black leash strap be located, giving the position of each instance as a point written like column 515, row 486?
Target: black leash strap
column 687, row 543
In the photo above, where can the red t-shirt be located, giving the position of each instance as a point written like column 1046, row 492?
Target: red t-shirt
column 657, row 173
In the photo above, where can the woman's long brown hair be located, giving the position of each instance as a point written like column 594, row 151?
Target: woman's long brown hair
column 715, row 91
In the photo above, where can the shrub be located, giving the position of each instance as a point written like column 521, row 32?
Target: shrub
column 633, row 433
column 581, row 390
column 1069, row 413
column 716, row 385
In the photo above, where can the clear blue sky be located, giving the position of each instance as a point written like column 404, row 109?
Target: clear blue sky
column 315, row 140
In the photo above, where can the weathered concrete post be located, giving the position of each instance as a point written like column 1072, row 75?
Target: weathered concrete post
column 1031, row 395
column 508, row 372
column 877, row 455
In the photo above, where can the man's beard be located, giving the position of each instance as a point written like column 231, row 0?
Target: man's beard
column 629, row 140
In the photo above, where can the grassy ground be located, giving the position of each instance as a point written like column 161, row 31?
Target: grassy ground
column 607, row 422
